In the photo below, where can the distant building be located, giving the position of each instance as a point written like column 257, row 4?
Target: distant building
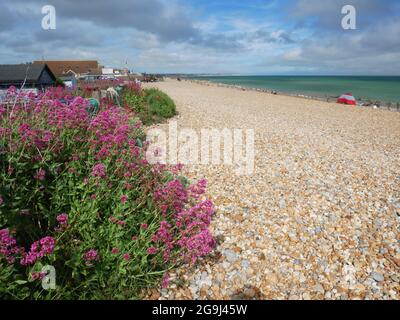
column 115, row 72
column 78, row 68
column 31, row 76
column 107, row 71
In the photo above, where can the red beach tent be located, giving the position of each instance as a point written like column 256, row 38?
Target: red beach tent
column 347, row 98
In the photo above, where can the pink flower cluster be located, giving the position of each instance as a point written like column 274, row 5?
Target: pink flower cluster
column 198, row 189
column 71, row 114
column 111, row 130
column 91, row 255
column 165, row 236
column 124, row 199
column 134, row 87
column 196, row 239
column 35, row 137
column 126, row 256
column 8, row 246
column 99, row 170
column 191, row 225
column 152, row 250
column 62, row 220
column 121, row 223
column 173, row 197
column 37, row 275
column 39, row 249
column 198, row 245
column 40, row 174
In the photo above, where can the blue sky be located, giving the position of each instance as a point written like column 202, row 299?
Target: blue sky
column 222, row 36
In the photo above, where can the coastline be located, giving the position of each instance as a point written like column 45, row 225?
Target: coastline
column 382, row 105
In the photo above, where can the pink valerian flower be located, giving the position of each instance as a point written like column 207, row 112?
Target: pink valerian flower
column 164, row 236
column 144, row 226
column 163, row 233
column 124, row 199
column 172, row 196
column 176, row 169
column 135, row 151
column 198, row 245
column 62, row 220
column 8, row 246
column 91, row 255
column 128, row 186
column 126, row 257
column 198, row 189
column 199, row 214
column 35, row 137
column 152, row 250
column 39, row 249
column 115, row 251
column 103, row 153
column 25, row 131
column 121, row 223
column 134, row 238
column 99, row 170
column 40, row 174
column 70, row 115
column 165, row 281
column 38, row 275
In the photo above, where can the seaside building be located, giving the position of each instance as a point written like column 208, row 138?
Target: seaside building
column 78, row 68
column 30, row 76
column 115, row 72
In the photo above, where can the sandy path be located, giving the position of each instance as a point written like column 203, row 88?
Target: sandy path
column 320, row 216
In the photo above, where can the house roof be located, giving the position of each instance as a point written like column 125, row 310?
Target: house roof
column 18, row 72
column 60, row 68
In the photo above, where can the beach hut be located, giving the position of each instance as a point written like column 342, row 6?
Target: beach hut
column 30, row 76
column 347, row 98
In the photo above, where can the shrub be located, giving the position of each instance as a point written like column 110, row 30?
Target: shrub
column 160, row 104
column 77, row 193
column 150, row 105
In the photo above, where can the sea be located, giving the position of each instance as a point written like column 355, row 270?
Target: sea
column 382, row 89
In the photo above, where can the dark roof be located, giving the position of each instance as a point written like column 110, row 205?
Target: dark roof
column 60, row 68
column 18, row 72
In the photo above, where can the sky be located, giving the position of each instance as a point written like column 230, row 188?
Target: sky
column 257, row 37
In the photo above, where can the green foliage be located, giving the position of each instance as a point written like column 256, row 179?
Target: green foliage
column 150, row 105
column 160, row 103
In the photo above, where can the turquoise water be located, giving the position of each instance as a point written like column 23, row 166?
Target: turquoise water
column 385, row 89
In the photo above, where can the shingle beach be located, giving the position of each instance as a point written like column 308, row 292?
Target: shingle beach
column 318, row 219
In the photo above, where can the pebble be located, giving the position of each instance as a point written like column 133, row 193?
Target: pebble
column 377, row 276
column 230, row 255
